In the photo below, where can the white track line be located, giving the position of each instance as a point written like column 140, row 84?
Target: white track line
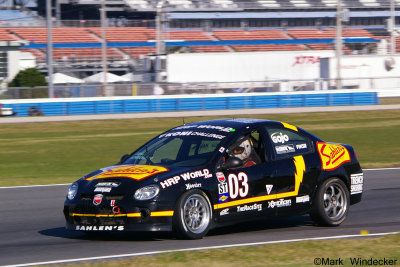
column 195, row 249
column 49, row 185
column 31, row 186
column 384, row 169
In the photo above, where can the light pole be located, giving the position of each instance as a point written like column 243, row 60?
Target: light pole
column 339, row 44
column 393, row 27
column 49, row 49
column 104, row 47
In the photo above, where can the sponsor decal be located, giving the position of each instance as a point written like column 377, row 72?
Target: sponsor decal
column 284, row 149
column 112, row 203
column 222, row 198
column 279, row 138
column 357, row 182
column 221, row 177
column 303, row 60
column 224, row 212
column 254, row 207
column 222, row 149
column 303, row 199
column 246, row 121
column 269, row 188
column 332, row 156
column 135, row 172
column 187, row 176
column 99, row 228
column 301, row 146
column 210, row 127
column 97, row 199
column 103, row 189
column 192, row 133
column 191, row 186
column 107, row 184
column 222, row 188
column 280, row 203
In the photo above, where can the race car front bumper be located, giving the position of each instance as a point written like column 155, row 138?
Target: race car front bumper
column 153, row 217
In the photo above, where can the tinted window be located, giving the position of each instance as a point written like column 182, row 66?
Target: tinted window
column 287, row 143
column 177, row 149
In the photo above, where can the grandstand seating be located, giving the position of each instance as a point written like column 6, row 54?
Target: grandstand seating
column 143, row 34
column 6, row 36
column 60, row 35
column 256, row 35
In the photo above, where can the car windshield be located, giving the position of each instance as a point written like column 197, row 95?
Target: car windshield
column 179, row 149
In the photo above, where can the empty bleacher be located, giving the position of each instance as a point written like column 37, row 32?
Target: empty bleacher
column 326, row 34
column 148, row 35
column 60, row 35
column 256, row 35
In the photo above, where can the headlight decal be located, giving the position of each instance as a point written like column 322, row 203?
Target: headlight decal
column 72, row 191
column 147, row 192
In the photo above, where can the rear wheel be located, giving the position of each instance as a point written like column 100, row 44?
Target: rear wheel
column 193, row 215
column 331, row 203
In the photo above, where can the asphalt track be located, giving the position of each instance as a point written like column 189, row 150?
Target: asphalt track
column 32, row 225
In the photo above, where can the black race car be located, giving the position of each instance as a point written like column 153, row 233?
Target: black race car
column 200, row 175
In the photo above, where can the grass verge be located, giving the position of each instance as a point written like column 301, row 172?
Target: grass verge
column 308, row 253
column 61, row 152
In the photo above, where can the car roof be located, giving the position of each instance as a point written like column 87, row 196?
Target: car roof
column 237, row 123
column 227, row 125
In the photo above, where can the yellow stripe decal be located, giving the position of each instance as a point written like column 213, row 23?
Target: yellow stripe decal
column 289, row 126
column 299, row 173
column 97, row 215
column 135, row 214
column 166, row 213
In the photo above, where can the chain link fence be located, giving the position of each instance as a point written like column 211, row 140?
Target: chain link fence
column 389, row 85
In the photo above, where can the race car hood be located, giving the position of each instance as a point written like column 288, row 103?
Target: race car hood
column 119, row 178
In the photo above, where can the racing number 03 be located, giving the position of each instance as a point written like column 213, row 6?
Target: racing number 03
column 238, row 185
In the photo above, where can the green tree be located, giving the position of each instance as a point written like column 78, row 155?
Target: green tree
column 30, row 78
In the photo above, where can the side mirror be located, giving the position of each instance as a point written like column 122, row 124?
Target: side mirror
column 232, row 163
column 123, row 158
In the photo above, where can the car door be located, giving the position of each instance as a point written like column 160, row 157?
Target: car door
column 295, row 170
column 240, row 190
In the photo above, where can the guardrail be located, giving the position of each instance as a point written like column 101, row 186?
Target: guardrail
column 109, row 105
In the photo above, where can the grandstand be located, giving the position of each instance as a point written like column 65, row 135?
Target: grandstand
column 139, row 35
column 196, row 26
column 225, row 5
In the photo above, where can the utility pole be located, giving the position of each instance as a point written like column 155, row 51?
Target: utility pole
column 58, row 13
column 104, row 46
column 49, row 49
column 393, row 28
column 339, row 44
column 161, row 37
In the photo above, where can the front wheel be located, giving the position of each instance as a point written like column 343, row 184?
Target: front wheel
column 193, row 215
column 331, row 203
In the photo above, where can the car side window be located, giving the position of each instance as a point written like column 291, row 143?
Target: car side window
column 169, row 151
column 206, row 146
column 249, row 148
column 287, row 143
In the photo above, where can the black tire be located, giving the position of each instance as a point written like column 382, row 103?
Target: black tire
column 193, row 215
column 331, row 203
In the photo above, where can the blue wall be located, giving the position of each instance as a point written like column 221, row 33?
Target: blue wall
column 217, row 102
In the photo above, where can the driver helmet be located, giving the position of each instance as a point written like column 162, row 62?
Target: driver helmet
column 242, row 149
